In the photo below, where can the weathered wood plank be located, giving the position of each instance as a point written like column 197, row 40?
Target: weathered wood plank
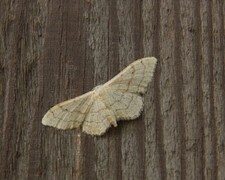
column 51, row 51
column 170, row 119
column 20, row 51
column 132, row 133
column 192, row 115
column 61, row 77
column 206, row 86
column 154, row 163
column 218, row 54
column 98, row 44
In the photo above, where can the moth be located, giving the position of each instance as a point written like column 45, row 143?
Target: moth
column 121, row 98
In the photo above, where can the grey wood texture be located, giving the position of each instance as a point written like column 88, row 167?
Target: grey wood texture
column 51, row 51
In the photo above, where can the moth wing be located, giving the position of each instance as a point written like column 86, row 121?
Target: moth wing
column 99, row 118
column 123, row 92
column 97, row 110
column 69, row 114
column 135, row 77
column 124, row 105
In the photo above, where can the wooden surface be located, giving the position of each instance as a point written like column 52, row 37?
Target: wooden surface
column 51, row 51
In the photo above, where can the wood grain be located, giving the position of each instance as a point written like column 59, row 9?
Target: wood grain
column 51, row 51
